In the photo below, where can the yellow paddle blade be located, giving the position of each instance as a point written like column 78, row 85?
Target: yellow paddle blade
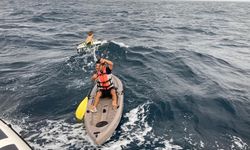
column 81, row 109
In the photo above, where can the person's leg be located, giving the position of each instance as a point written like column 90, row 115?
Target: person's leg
column 97, row 99
column 114, row 98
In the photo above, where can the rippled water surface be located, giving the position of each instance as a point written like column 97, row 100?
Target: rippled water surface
column 185, row 67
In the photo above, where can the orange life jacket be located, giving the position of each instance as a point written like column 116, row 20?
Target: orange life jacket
column 104, row 80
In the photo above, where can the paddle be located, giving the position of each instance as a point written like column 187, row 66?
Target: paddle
column 81, row 109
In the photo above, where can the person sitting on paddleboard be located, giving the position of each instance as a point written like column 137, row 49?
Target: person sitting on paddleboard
column 103, row 78
column 90, row 39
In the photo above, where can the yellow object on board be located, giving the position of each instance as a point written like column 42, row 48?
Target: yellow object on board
column 81, row 109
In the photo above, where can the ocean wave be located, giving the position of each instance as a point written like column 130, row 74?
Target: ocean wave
column 62, row 133
column 184, row 66
column 195, row 30
column 121, row 44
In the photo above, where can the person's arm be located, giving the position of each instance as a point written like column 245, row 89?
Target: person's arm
column 110, row 63
column 94, row 76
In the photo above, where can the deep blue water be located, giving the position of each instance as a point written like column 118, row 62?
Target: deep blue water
column 185, row 67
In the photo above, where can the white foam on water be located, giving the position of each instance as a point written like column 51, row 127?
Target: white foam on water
column 202, row 144
column 238, row 143
column 13, row 89
column 137, row 117
column 60, row 134
column 14, row 126
column 13, row 86
column 29, row 75
column 103, row 42
column 169, row 146
column 136, row 129
column 76, row 83
column 93, row 52
column 216, row 144
column 120, row 44
column 80, row 60
column 191, row 137
column 54, row 134
column 130, row 130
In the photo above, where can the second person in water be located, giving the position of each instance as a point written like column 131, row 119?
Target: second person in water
column 105, row 86
column 90, row 38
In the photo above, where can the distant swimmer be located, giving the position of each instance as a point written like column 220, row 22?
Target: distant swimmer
column 90, row 44
column 90, row 39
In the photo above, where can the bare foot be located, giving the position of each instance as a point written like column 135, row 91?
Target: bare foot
column 115, row 107
column 93, row 109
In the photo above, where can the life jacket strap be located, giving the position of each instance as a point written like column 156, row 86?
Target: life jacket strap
column 105, row 81
column 105, row 87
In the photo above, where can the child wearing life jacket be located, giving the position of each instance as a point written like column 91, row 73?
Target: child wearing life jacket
column 105, row 86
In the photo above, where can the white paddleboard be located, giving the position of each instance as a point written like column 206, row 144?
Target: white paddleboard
column 84, row 47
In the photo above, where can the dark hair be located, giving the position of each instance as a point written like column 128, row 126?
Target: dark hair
column 90, row 32
column 98, row 61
